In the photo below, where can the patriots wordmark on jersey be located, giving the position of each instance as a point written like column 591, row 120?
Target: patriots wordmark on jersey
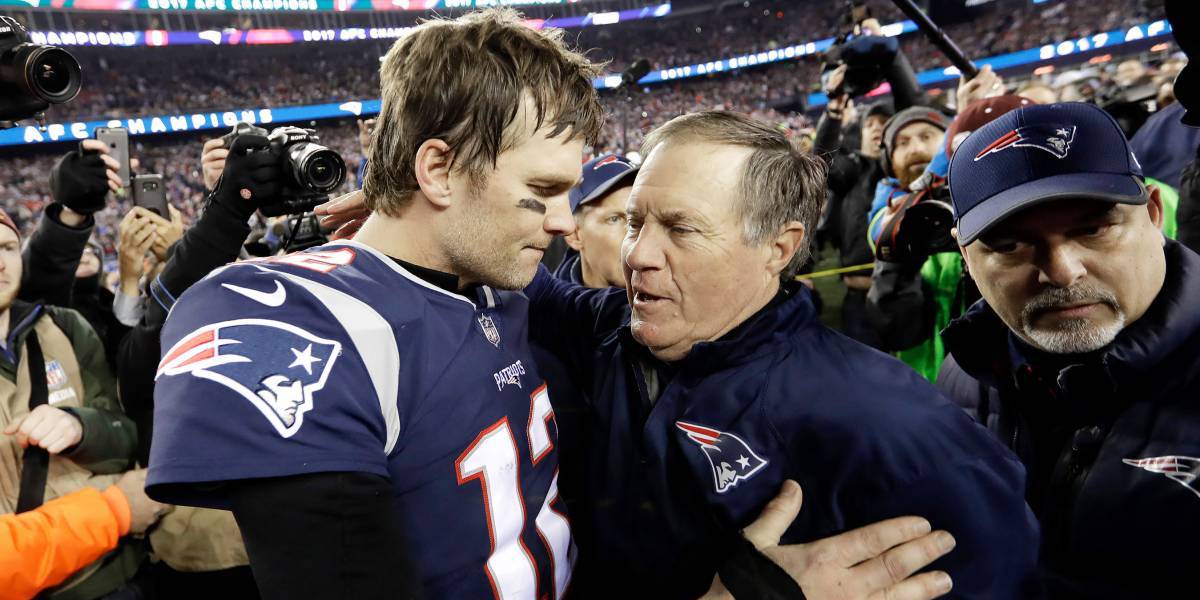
column 339, row 359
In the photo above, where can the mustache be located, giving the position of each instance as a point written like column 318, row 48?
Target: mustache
column 1056, row 297
column 919, row 159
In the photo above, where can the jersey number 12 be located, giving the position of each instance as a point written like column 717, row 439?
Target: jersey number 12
column 493, row 459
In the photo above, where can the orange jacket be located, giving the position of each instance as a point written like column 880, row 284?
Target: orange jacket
column 42, row 547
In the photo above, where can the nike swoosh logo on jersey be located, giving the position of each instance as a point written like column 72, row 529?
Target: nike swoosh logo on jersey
column 272, row 299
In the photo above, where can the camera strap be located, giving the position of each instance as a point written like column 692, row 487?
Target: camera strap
column 35, row 462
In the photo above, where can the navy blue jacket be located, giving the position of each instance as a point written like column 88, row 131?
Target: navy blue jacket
column 571, row 267
column 779, row 397
column 1116, row 491
column 1164, row 146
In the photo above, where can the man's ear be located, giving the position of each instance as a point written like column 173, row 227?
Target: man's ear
column 785, row 245
column 1155, row 207
column 433, row 164
column 961, row 250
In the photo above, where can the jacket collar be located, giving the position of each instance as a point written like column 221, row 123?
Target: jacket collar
column 982, row 344
column 571, row 267
column 21, row 317
column 790, row 312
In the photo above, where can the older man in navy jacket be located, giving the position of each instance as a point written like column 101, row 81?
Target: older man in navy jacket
column 712, row 383
column 1083, row 356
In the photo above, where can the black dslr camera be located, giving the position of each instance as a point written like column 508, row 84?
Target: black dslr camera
column 1131, row 106
column 311, row 171
column 921, row 226
column 32, row 76
column 867, row 58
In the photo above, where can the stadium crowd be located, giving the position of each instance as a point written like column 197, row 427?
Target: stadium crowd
column 146, row 81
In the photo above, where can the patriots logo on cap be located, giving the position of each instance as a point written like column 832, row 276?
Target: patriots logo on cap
column 1182, row 469
column 728, row 455
column 274, row 365
column 608, row 160
column 1055, row 139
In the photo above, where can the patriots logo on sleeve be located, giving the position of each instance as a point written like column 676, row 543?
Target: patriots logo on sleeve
column 1055, row 139
column 276, row 366
column 728, row 455
column 1181, row 469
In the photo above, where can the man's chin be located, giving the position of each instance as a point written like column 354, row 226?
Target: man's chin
column 1074, row 336
column 643, row 332
column 652, row 336
column 517, row 280
column 912, row 174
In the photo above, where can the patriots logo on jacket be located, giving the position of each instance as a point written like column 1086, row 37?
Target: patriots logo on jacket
column 731, row 459
column 274, row 365
column 1182, row 469
column 1055, row 139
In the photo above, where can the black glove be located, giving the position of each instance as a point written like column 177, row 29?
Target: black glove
column 251, row 178
column 78, row 181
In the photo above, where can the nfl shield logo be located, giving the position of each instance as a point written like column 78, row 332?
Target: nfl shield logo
column 56, row 376
column 489, row 330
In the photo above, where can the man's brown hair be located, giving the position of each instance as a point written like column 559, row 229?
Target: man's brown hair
column 464, row 81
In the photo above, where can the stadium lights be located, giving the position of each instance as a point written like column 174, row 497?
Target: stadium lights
column 231, row 37
column 59, row 132
column 271, row 5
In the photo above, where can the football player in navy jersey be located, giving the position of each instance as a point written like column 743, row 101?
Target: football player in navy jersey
column 369, row 409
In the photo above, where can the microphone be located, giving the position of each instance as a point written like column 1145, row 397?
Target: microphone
column 635, row 72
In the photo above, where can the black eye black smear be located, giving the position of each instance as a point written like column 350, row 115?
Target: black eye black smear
column 531, row 204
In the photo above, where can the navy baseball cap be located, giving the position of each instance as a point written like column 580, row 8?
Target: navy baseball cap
column 1038, row 154
column 601, row 174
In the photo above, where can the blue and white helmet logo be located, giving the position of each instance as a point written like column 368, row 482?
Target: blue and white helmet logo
column 1053, row 139
column 1183, row 470
column 730, row 457
column 274, row 365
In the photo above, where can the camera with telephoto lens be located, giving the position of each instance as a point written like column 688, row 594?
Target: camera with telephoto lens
column 33, row 76
column 310, row 171
column 867, row 57
column 921, row 225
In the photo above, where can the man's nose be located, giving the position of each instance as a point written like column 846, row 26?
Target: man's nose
column 1060, row 266
column 643, row 251
column 558, row 219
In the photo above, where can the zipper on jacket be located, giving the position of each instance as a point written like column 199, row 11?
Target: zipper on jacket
column 1070, row 474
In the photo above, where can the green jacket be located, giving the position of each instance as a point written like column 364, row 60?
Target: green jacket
column 941, row 275
column 1170, row 200
column 79, row 381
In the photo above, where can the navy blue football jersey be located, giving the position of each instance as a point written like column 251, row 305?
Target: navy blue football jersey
column 338, row 359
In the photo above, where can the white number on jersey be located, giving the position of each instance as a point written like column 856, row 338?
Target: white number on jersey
column 493, row 459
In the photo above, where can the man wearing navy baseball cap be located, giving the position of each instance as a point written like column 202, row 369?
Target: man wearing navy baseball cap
column 1084, row 355
column 598, row 203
